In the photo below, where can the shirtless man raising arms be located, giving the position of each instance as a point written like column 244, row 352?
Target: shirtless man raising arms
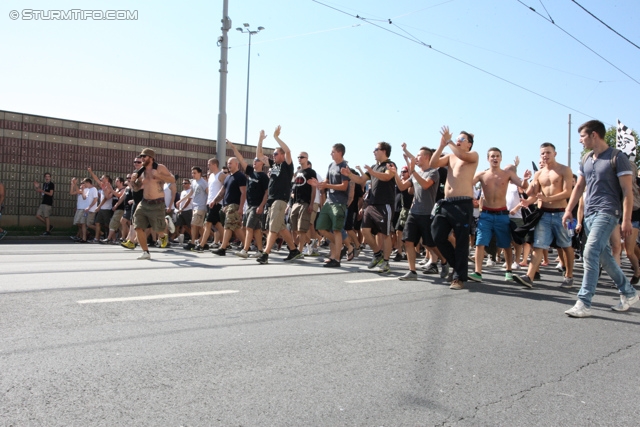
column 455, row 211
column 552, row 186
column 494, row 218
column 151, row 210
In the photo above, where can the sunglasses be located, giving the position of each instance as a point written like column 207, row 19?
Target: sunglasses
column 461, row 139
column 143, row 156
column 301, row 157
column 137, row 162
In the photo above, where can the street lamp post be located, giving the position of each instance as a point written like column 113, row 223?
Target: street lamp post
column 247, row 30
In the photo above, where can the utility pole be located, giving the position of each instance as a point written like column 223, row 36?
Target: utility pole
column 569, row 144
column 247, row 30
column 223, row 42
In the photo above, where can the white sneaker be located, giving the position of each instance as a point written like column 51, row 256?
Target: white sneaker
column 256, row 254
column 170, row 224
column 489, row 263
column 515, row 266
column 504, row 265
column 145, row 255
column 242, row 254
column 625, row 303
column 579, row 310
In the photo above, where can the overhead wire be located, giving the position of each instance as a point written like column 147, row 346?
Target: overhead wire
column 504, row 54
column 414, row 39
column 602, row 22
column 576, row 39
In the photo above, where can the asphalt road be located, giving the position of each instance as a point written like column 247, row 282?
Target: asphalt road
column 91, row 336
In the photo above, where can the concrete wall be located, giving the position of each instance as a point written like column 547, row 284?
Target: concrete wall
column 32, row 145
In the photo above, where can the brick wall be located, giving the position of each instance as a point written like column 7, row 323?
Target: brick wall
column 32, row 145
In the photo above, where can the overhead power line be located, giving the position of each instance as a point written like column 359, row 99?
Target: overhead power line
column 600, row 20
column 570, row 35
column 414, row 39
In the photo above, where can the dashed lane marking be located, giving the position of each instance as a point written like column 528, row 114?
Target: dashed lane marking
column 150, row 297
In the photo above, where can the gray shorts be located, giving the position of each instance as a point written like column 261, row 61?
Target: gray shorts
column 253, row 220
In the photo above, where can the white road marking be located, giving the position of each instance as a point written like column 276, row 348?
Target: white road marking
column 149, row 297
column 371, row 280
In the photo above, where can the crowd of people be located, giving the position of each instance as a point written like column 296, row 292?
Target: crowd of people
column 436, row 211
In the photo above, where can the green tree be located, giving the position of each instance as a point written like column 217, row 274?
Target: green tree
column 610, row 138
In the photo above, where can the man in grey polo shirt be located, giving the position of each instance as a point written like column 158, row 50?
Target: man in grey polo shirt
column 602, row 213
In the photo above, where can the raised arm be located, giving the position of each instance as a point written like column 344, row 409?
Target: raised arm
column 262, row 137
column 438, row 161
column 285, row 147
column 237, row 154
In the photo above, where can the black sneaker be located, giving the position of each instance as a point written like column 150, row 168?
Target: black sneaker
column 219, row 251
column 263, row 259
column 536, row 276
column 188, row 246
column 398, row 257
column 332, row 264
column 343, row 252
column 206, row 247
column 197, row 248
column 46, row 233
column 294, row 254
column 524, row 280
column 432, row 269
column 50, row 229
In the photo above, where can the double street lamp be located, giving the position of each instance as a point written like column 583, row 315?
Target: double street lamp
column 247, row 30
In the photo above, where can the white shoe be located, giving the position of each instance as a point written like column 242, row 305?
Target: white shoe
column 172, row 227
column 515, row 266
column 578, row 310
column 504, row 265
column 256, row 254
column 490, row 263
column 145, row 255
column 242, row 254
column 625, row 303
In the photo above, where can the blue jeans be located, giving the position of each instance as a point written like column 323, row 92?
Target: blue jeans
column 597, row 251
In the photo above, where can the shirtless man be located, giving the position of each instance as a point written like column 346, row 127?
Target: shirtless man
column 552, row 186
column 455, row 211
column 151, row 210
column 494, row 218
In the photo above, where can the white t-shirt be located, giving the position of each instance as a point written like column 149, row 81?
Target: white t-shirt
column 513, row 198
column 90, row 194
column 168, row 203
column 189, row 207
column 214, row 186
column 108, row 204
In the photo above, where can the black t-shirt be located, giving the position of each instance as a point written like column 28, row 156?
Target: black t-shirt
column 407, row 199
column 257, row 184
column 47, row 186
column 232, row 184
column 128, row 195
column 280, row 182
column 120, row 206
column 138, row 196
column 382, row 192
column 358, row 193
column 303, row 192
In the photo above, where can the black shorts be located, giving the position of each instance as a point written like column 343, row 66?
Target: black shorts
column 418, row 227
column 184, row 218
column 213, row 214
column 350, row 220
column 378, row 219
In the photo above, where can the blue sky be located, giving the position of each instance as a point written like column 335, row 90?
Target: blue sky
column 327, row 77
